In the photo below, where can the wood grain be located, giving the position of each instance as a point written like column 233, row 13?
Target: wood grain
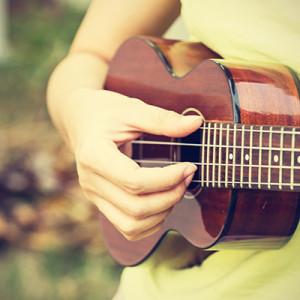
column 176, row 76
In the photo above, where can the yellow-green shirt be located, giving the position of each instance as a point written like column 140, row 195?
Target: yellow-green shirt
column 254, row 30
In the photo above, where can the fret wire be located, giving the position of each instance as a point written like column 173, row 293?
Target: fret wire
column 292, row 161
column 233, row 156
column 258, row 130
column 220, row 153
column 210, row 164
column 260, row 154
column 207, row 153
column 212, row 142
column 242, row 156
column 250, row 156
column 226, row 159
column 256, row 183
column 214, row 154
column 210, row 145
column 269, row 184
column 145, row 142
column 281, row 158
column 202, row 168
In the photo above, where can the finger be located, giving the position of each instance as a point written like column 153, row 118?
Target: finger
column 129, row 227
column 136, row 234
column 152, row 119
column 124, row 172
column 146, row 233
column 136, row 206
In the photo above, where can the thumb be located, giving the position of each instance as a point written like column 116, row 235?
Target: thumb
column 159, row 121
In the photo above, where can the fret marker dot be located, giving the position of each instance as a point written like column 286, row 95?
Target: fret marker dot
column 230, row 156
column 247, row 157
column 298, row 159
column 276, row 158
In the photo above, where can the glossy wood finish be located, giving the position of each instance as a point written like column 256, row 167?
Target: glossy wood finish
column 177, row 76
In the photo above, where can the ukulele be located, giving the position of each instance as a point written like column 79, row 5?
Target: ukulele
column 245, row 193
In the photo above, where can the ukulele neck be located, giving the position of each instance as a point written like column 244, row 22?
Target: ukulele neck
column 249, row 156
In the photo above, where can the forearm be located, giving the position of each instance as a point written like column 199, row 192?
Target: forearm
column 98, row 125
column 77, row 71
column 102, row 31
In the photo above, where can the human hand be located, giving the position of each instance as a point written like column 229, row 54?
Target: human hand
column 100, row 126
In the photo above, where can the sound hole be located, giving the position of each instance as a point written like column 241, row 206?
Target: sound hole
column 189, row 150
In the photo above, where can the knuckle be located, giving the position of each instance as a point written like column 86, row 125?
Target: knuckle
column 179, row 193
column 82, row 183
column 133, row 186
column 130, row 238
column 86, row 154
column 82, row 157
column 172, row 114
column 167, row 115
column 138, row 211
column 178, row 196
column 175, row 196
column 82, row 180
column 166, row 120
column 161, row 119
column 129, row 230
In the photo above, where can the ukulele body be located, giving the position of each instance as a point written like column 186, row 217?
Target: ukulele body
column 189, row 77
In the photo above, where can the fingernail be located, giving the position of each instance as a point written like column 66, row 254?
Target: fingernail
column 188, row 180
column 190, row 170
column 193, row 118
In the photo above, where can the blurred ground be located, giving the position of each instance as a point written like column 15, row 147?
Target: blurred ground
column 50, row 239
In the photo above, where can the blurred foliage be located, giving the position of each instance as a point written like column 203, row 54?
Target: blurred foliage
column 56, row 275
column 50, row 239
column 39, row 36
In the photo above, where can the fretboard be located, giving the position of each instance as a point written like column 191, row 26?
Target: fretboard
column 249, row 156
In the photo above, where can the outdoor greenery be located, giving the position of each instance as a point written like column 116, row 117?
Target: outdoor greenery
column 39, row 36
column 50, row 239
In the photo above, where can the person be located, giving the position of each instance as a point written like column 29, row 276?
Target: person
column 98, row 126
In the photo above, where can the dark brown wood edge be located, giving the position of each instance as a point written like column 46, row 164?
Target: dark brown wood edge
column 297, row 213
column 236, row 119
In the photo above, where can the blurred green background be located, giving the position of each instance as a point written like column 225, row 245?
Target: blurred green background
column 50, row 238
